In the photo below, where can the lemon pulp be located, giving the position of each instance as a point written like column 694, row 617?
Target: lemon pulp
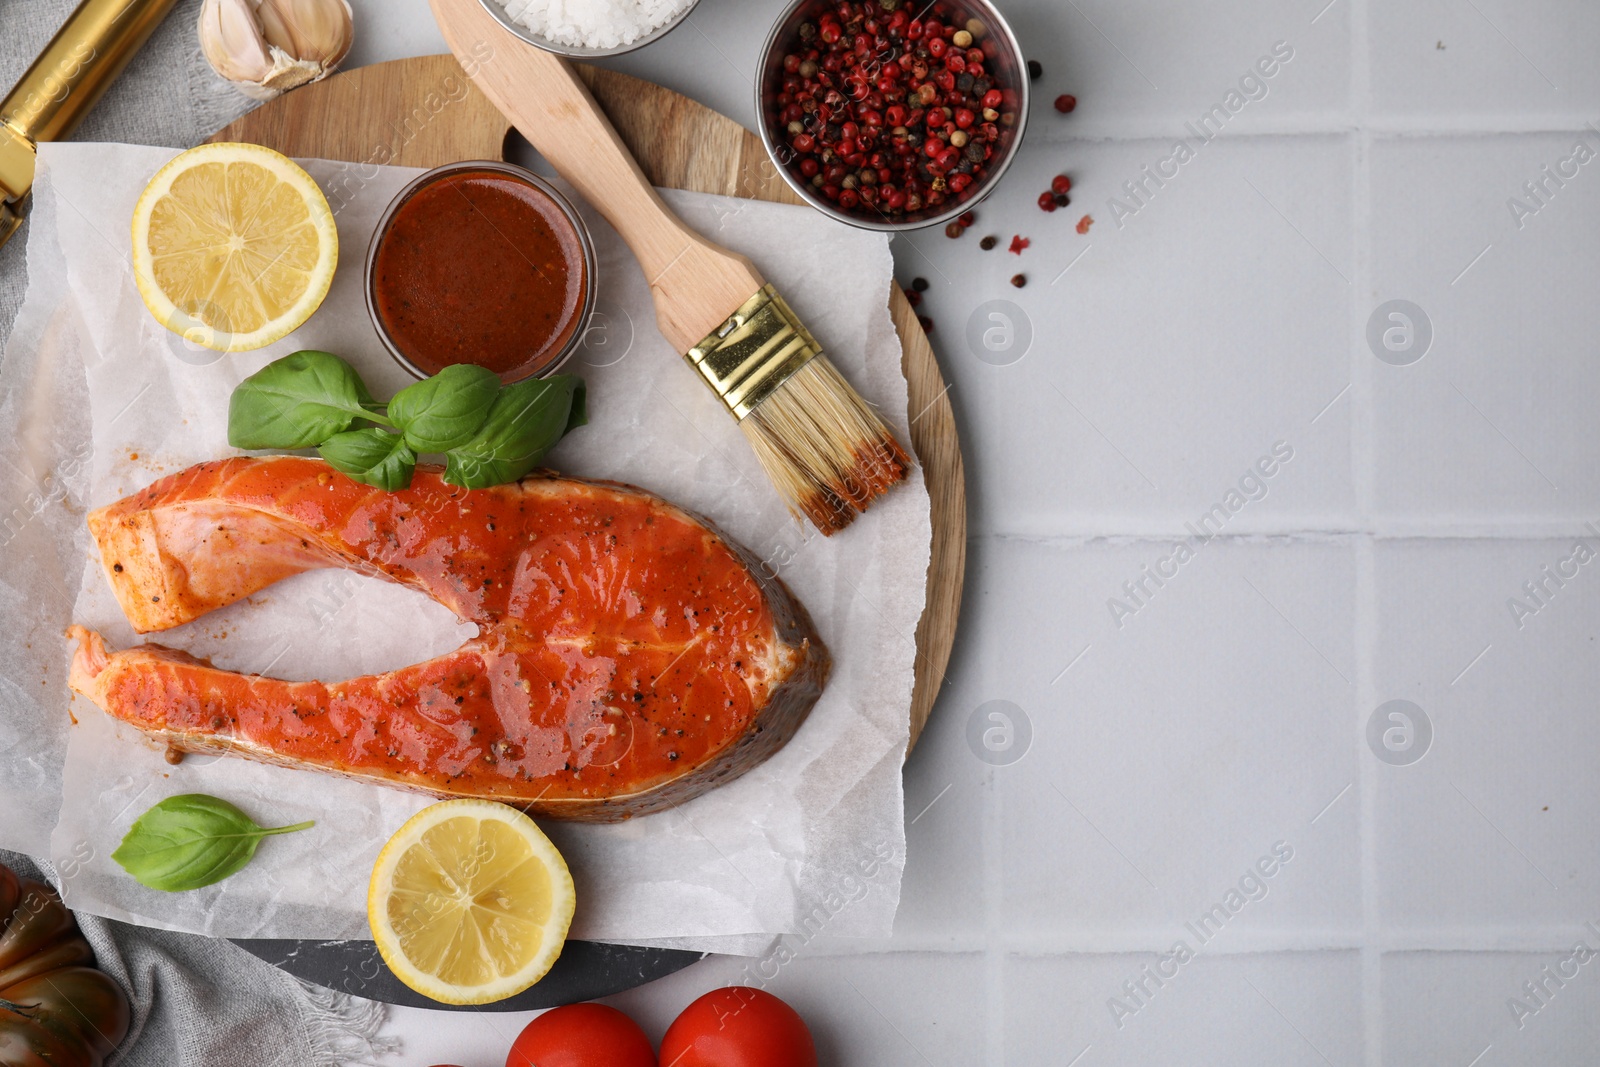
column 470, row 902
column 234, row 246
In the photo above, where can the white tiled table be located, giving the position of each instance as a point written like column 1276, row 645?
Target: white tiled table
column 1230, row 711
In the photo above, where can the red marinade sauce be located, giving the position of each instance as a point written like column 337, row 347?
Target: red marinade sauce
column 480, row 267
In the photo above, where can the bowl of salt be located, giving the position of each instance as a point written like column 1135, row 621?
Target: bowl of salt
column 590, row 29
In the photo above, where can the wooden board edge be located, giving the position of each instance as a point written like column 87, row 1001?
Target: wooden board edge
column 430, row 110
column 938, row 447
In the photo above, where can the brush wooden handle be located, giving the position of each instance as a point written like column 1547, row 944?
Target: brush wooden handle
column 696, row 284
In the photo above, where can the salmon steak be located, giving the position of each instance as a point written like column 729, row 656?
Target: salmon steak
column 628, row 656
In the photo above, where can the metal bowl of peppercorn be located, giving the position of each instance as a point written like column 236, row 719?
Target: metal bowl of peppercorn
column 892, row 115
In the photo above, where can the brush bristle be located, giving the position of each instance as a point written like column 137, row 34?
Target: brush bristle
column 829, row 454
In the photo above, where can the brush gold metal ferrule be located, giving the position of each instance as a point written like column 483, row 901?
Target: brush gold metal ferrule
column 828, row 453
column 69, row 77
column 755, row 351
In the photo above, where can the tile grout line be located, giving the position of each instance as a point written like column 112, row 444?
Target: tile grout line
column 1363, row 476
column 1371, row 922
column 993, row 825
column 1159, row 533
column 1395, row 126
column 1031, row 944
column 994, row 952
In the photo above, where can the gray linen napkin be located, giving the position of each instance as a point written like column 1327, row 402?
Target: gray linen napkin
column 167, row 96
column 197, row 1002
column 202, row 1002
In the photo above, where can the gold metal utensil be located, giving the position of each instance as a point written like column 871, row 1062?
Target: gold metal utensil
column 64, row 83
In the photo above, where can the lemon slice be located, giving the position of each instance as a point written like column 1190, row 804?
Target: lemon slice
column 234, row 246
column 470, row 902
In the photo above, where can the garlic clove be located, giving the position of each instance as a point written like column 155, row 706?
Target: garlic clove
column 267, row 46
column 230, row 37
column 318, row 31
column 276, row 29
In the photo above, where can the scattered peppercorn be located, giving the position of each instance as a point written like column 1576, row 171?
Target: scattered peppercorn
column 926, row 323
column 919, row 284
column 1019, row 280
column 1061, row 184
column 1084, row 224
column 988, row 242
column 967, row 219
column 1018, row 243
column 955, row 229
column 892, row 111
column 1066, row 102
column 1035, row 70
column 1047, row 202
column 1062, row 199
column 914, row 298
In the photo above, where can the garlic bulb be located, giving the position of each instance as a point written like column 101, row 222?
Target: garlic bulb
column 267, row 46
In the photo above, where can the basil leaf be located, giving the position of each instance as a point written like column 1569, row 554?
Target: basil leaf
column 578, row 414
column 189, row 841
column 298, row 401
column 524, row 422
column 371, row 456
column 439, row 413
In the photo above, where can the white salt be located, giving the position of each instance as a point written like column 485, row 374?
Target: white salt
column 593, row 23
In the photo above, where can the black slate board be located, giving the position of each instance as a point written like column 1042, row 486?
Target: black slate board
column 586, row 970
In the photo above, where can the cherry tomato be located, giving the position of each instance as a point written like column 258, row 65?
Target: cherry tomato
column 582, row 1035
column 738, row 1027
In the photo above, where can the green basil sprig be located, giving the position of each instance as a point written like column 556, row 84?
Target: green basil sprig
column 488, row 434
column 443, row 412
column 190, row 841
column 526, row 421
column 298, row 401
column 373, row 456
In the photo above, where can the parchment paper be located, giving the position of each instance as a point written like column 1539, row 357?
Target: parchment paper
column 813, row 838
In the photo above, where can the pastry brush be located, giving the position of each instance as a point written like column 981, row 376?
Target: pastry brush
column 825, row 449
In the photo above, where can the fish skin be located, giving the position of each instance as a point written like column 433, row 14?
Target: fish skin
column 629, row 656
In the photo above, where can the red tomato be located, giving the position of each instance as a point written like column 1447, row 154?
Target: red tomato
column 738, row 1027
column 582, row 1035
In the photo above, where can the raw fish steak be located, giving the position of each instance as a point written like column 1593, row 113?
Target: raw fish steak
column 629, row 657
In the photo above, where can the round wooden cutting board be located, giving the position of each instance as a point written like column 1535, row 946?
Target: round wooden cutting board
column 424, row 112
